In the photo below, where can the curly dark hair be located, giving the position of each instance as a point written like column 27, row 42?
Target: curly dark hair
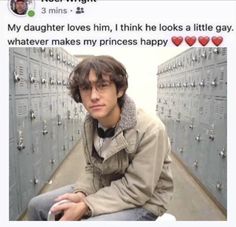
column 102, row 65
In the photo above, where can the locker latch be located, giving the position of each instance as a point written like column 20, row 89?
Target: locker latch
column 32, row 79
column 20, row 143
column 222, row 153
column 45, row 131
column 43, row 81
column 32, row 115
column 16, row 77
column 219, row 186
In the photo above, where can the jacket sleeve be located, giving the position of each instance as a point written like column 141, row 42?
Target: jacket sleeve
column 137, row 185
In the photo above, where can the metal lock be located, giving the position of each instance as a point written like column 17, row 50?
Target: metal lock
column 45, row 131
column 43, row 81
column 202, row 83
column 59, row 119
column 219, row 186
column 195, row 163
column 20, row 143
column 35, row 181
column 213, row 83
column 51, row 53
column 52, row 161
column 216, row 50
column 198, row 138
column 16, row 77
column 211, row 137
column 222, row 153
column 32, row 115
column 59, row 82
column 52, row 82
column 32, row 79
column 43, row 49
column 68, row 115
column 181, row 150
column 64, row 83
column 203, row 55
column 192, row 84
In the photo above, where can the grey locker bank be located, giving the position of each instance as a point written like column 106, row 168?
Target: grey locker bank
column 192, row 101
column 44, row 121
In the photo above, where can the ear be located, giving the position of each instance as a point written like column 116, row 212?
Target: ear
column 120, row 93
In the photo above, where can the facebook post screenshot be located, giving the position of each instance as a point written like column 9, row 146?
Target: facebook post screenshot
column 117, row 111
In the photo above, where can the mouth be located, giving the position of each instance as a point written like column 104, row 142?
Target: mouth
column 96, row 107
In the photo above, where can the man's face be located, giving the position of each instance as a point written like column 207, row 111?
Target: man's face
column 20, row 7
column 100, row 97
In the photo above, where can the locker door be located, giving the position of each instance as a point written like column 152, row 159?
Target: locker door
column 36, row 142
column 34, row 77
column 24, row 153
column 20, row 75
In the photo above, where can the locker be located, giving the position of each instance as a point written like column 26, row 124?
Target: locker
column 194, row 85
column 38, row 120
column 45, row 79
column 20, row 75
column 34, row 77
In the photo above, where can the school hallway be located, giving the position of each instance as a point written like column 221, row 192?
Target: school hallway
column 190, row 201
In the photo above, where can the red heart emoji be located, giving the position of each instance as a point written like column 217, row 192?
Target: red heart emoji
column 217, row 40
column 177, row 40
column 203, row 40
column 190, row 40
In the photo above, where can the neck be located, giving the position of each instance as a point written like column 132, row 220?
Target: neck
column 112, row 119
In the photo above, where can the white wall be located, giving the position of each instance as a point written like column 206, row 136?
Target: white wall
column 141, row 65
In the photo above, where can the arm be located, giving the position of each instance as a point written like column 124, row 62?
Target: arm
column 136, row 187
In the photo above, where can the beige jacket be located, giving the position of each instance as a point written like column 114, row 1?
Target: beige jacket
column 136, row 170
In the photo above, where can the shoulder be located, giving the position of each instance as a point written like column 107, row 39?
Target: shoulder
column 148, row 122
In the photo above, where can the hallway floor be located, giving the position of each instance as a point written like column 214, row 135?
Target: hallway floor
column 190, row 202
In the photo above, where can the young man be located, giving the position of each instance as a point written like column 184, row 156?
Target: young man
column 127, row 174
column 20, row 7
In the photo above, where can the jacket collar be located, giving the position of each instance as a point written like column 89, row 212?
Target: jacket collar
column 128, row 120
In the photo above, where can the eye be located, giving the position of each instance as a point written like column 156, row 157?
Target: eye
column 84, row 87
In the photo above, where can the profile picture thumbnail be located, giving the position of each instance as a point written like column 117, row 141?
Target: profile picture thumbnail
column 20, row 7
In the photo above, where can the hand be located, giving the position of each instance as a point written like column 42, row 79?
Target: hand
column 73, row 197
column 71, row 211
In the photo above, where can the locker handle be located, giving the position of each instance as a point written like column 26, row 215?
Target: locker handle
column 45, row 132
column 32, row 79
column 202, row 83
column 16, row 77
column 191, row 126
column 195, row 164
column 59, row 123
column 216, row 50
column 43, row 49
column 192, row 84
column 43, row 81
column 211, row 137
column 59, row 82
column 198, row 138
column 32, row 115
column 222, row 153
column 219, row 186
column 20, row 146
column 52, row 161
column 213, row 83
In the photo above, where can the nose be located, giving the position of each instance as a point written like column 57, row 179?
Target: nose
column 94, row 93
